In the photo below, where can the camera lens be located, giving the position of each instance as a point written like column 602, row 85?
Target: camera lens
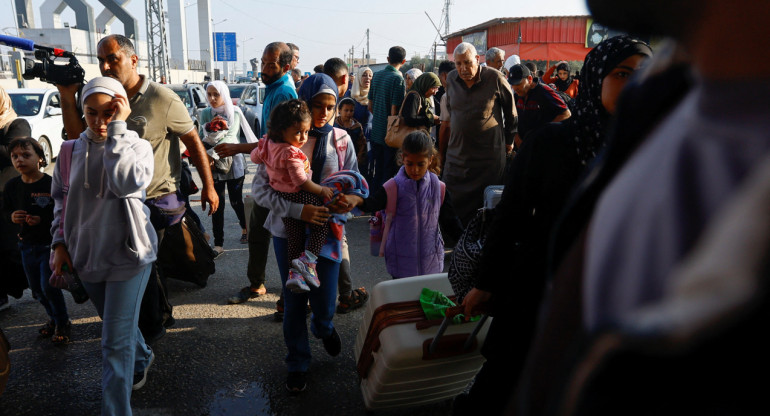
column 32, row 69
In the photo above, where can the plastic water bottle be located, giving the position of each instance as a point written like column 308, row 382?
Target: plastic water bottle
column 375, row 234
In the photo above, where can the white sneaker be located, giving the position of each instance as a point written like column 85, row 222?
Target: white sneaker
column 219, row 250
column 140, row 378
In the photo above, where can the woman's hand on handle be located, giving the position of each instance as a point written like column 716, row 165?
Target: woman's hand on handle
column 473, row 301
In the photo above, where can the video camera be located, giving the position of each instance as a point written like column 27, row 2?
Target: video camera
column 47, row 69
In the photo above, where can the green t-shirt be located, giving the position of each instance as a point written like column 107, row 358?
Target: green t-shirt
column 160, row 117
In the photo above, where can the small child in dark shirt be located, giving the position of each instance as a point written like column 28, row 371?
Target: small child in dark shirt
column 347, row 122
column 27, row 201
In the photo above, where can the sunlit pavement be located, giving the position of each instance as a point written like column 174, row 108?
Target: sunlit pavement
column 218, row 359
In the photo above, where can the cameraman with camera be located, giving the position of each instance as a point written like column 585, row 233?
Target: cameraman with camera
column 160, row 117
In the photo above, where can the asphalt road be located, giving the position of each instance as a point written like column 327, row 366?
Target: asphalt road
column 218, row 359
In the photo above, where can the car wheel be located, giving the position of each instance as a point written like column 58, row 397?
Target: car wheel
column 46, row 145
column 256, row 128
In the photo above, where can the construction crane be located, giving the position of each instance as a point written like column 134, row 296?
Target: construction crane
column 157, row 42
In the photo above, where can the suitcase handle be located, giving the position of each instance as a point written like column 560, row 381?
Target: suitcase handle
column 445, row 323
column 485, row 309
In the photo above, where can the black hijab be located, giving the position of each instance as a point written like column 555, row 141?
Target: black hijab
column 562, row 85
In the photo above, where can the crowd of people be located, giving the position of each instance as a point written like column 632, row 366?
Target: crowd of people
column 622, row 187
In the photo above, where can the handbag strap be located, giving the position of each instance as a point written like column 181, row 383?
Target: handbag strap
column 391, row 190
column 400, row 110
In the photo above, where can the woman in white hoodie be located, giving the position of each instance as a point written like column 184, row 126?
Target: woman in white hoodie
column 103, row 230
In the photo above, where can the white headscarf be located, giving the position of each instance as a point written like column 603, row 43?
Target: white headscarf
column 104, row 85
column 413, row 73
column 228, row 110
column 360, row 93
column 511, row 61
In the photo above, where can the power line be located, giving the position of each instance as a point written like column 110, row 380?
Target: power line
column 279, row 29
column 324, row 9
column 397, row 41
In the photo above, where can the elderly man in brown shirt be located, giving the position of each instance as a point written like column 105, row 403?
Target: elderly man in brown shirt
column 482, row 117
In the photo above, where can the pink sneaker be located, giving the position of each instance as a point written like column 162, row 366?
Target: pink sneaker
column 305, row 264
column 296, row 283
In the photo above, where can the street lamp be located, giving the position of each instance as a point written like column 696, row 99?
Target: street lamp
column 243, row 46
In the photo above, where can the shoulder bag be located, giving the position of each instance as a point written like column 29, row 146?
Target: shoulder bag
column 397, row 128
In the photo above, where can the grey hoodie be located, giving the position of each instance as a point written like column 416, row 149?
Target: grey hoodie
column 106, row 229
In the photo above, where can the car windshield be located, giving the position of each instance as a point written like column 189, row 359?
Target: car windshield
column 26, row 105
column 236, row 90
column 184, row 96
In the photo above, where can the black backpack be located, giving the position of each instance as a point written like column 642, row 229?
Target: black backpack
column 185, row 254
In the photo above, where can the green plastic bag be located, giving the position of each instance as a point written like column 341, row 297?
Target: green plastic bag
column 435, row 304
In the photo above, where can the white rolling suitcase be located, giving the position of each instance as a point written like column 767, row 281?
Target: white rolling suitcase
column 396, row 363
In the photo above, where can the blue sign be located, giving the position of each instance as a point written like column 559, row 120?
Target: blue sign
column 225, row 48
column 250, row 74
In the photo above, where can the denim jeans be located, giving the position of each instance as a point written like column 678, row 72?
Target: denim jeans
column 322, row 302
column 124, row 351
column 384, row 165
column 34, row 257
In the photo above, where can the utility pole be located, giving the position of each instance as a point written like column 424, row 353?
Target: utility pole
column 367, row 47
column 434, row 58
column 447, row 3
column 352, row 56
column 157, row 44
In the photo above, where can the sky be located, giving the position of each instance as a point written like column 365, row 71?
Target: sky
column 327, row 29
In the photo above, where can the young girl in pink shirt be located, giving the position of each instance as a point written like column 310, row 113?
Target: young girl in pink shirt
column 289, row 172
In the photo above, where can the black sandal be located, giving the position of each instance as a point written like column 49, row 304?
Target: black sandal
column 355, row 300
column 61, row 335
column 48, row 329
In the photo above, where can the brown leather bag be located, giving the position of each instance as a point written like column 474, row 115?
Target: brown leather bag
column 397, row 128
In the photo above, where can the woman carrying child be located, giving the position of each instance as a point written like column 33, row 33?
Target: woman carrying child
column 327, row 152
column 221, row 110
column 27, row 202
column 412, row 242
column 105, row 233
column 291, row 176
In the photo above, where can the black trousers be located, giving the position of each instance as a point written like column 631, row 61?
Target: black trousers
column 156, row 308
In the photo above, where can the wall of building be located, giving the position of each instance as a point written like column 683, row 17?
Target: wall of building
column 542, row 38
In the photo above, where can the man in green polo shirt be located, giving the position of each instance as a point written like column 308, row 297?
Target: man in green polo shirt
column 385, row 97
column 160, row 117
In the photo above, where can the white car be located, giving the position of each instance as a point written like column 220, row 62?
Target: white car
column 42, row 109
column 251, row 105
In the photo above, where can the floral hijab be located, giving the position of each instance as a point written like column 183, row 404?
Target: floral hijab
column 590, row 118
